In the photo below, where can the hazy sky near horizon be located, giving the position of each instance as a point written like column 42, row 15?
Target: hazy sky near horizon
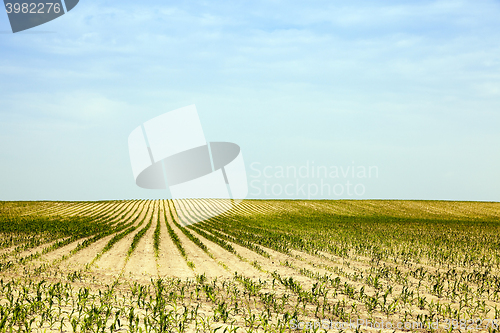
column 410, row 88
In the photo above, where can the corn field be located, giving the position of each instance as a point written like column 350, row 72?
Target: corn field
column 263, row 266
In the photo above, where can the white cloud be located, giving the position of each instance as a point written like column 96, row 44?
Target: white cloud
column 82, row 108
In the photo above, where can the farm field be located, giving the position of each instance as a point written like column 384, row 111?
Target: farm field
column 263, row 266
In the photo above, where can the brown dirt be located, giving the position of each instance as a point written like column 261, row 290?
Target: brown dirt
column 203, row 263
column 112, row 262
column 170, row 261
column 142, row 262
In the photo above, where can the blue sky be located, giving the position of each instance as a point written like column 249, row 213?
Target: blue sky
column 411, row 87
